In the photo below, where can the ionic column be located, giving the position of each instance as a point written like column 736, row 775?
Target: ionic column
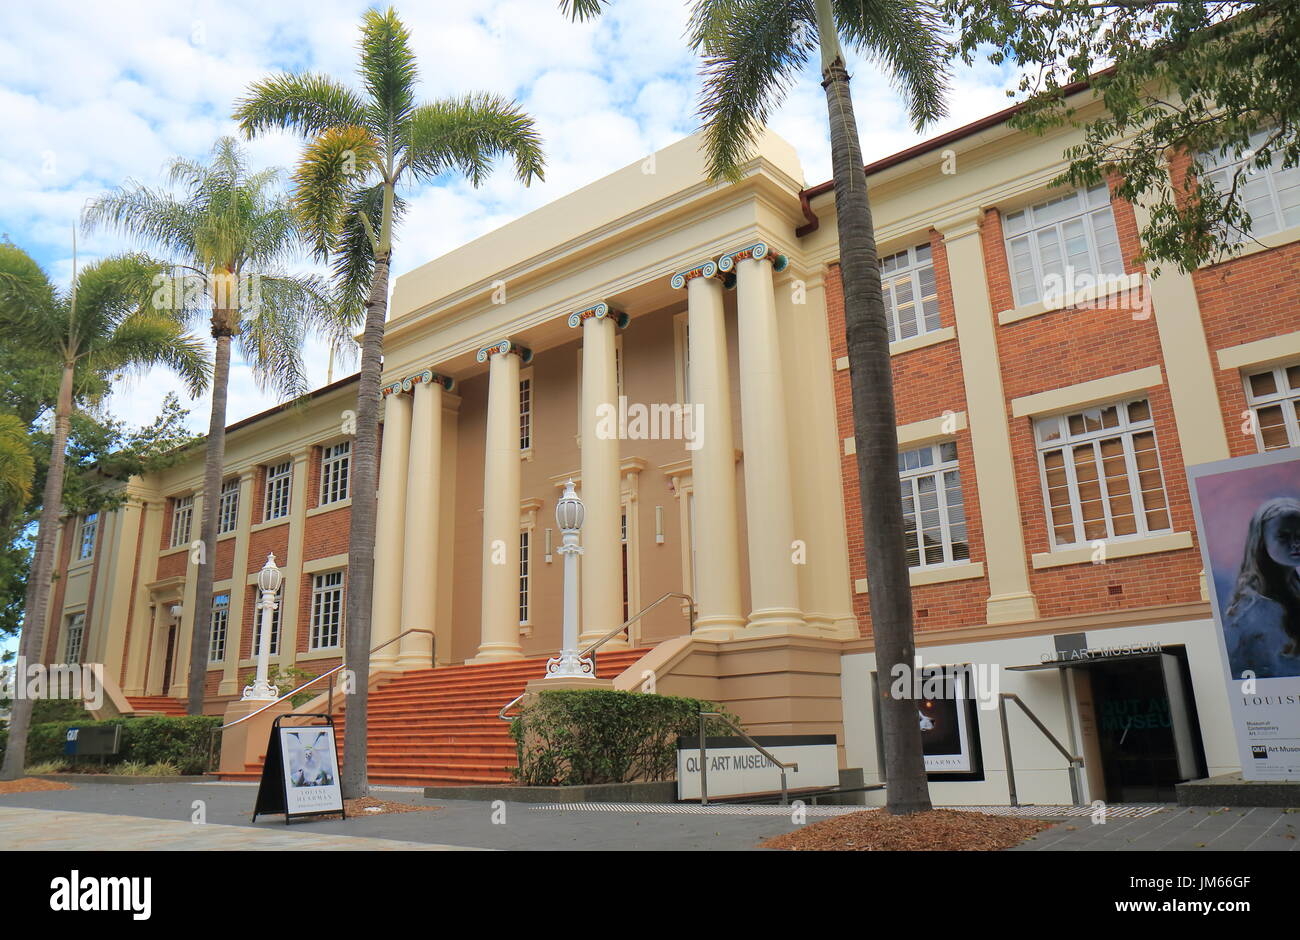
column 423, row 485
column 602, row 559
column 713, row 462
column 500, row 608
column 390, row 527
column 769, row 501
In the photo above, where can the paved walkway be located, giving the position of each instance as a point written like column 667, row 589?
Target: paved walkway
column 40, row 830
column 1178, row 829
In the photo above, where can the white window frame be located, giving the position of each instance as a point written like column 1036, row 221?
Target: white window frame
column 931, row 463
column 1093, row 203
column 1126, row 429
column 525, row 576
column 327, row 622
column 681, row 342
column 911, row 266
column 1284, row 397
column 89, row 529
column 277, row 499
column 74, row 638
column 182, row 520
column 275, row 621
column 335, row 472
column 228, row 507
column 1220, row 168
column 220, row 628
column 527, row 412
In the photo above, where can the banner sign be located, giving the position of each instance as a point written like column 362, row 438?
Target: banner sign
column 1248, row 517
column 736, row 769
column 949, row 728
column 300, row 776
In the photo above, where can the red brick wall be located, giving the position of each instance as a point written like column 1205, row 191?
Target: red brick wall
column 327, row 533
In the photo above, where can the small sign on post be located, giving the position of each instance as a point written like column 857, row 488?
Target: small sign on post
column 300, row 776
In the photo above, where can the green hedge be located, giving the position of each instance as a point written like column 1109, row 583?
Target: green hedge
column 150, row 739
column 569, row 737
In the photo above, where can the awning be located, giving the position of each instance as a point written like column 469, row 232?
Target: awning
column 1069, row 662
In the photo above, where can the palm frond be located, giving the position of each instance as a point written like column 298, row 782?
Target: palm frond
column 906, row 37
column 148, row 338
column 752, row 50
column 153, row 216
column 307, row 104
column 353, row 261
column 466, row 133
column 388, row 70
column 581, row 10
column 17, row 465
column 275, row 327
column 26, row 292
column 332, row 165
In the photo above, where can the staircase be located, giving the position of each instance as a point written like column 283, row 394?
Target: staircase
column 431, row 727
column 156, row 705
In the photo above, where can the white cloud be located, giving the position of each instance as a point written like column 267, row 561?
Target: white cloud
column 94, row 94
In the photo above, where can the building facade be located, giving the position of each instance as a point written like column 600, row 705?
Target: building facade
column 675, row 346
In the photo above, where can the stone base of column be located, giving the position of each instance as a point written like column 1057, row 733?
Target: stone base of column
column 405, row 662
column 778, row 621
column 717, row 628
column 246, row 742
column 496, row 652
column 614, row 643
column 385, row 659
column 1011, row 608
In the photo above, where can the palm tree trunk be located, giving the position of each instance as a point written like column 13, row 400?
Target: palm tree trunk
column 361, row 540
column 213, row 463
column 874, row 427
column 38, row 596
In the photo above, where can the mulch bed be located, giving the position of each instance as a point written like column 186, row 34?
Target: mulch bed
column 31, row 785
column 939, row 830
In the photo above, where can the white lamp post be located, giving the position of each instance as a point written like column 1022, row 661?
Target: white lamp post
column 569, row 512
column 268, row 581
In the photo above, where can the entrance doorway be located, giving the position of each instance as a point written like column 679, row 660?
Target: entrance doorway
column 167, row 660
column 1143, row 725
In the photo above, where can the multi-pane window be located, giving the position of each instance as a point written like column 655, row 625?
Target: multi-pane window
column 626, row 559
column 1270, row 195
column 1274, row 399
column 526, row 414
column 525, row 571
column 326, row 610
column 911, row 293
column 275, row 623
column 335, row 467
column 89, row 527
column 182, row 516
column 76, row 633
column 228, row 509
column 220, row 627
column 1101, row 473
column 934, row 514
column 279, row 479
column 1060, row 245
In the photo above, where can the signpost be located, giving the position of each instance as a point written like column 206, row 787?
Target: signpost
column 300, row 777
column 735, row 768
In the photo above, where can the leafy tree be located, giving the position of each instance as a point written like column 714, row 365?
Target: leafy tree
column 106, row 323
column 360, row 147
column 1212, row 80
column 753, row 50
column 226, row 236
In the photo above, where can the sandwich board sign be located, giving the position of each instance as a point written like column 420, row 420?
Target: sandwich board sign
column 301, row 773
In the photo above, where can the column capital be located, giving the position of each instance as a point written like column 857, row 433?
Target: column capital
column 707, row 268
column 756, row 252
column 502, row 347
column 599, row 312
column 408, row 383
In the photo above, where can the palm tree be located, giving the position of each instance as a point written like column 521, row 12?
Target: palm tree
column 752, row 50
column 107, row 323
column 360, row 146
column 17, row 467
column 226, row 236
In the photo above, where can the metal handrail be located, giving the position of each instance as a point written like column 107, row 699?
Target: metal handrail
column 312, row 681
column 610, row 635
column 1075, row 761
column 704, row 755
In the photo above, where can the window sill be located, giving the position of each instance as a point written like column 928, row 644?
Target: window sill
column 174, row 550
column 939, row 574
column 921, row 340
column 328, row 507
column 1253, row 246
column 269, row 524
column 1117, row 548
column 328, row 652
column 1108, row 289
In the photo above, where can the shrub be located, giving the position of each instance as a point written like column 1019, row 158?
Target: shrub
column 47, row 767
column 570, row 737
column 286, row 680
column 149, row 739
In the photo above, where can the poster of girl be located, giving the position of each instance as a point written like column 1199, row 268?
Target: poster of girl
column 1250, row 523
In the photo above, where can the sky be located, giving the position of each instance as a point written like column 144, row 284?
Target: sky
column 95, row 94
